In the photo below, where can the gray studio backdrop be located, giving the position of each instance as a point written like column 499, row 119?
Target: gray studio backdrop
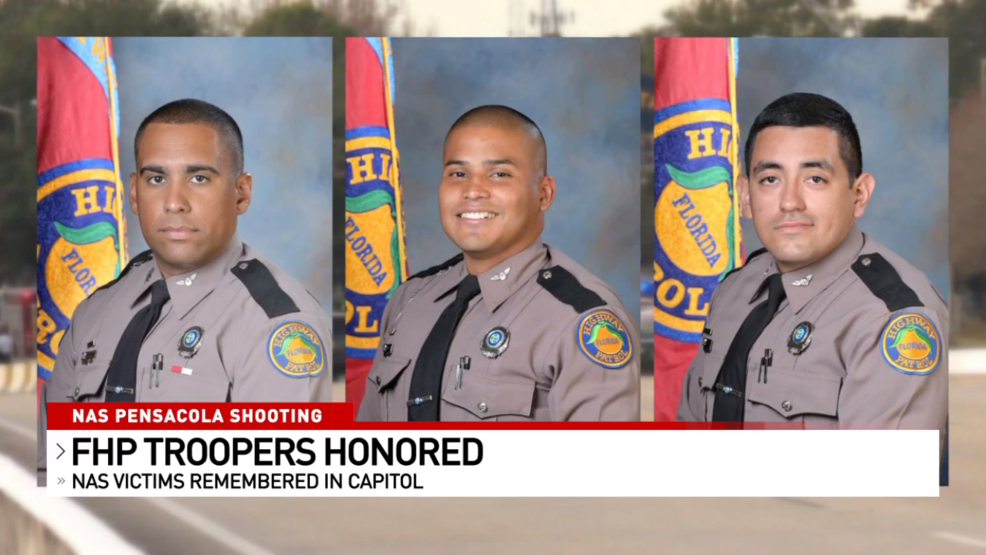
column 584, row 94
column 279, row 91
column 897, row 93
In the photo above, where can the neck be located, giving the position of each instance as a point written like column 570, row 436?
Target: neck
column 479, row 264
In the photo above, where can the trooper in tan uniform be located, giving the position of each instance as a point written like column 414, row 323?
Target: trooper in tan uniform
column 511, row 328
column 853, row 336
column 229, row 325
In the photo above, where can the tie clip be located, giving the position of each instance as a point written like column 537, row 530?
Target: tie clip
column 120, row 389
column 728, row 390
column 418, row 400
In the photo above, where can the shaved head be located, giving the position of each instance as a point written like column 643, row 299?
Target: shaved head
column 504, row 117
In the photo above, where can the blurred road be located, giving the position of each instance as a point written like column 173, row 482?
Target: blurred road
column 954, row 523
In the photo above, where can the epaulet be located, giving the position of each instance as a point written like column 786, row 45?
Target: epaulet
column 134, row 262
column 563, row 285
column 435, row 269
column 884, row 281
column 753, row 255
column 264, row 288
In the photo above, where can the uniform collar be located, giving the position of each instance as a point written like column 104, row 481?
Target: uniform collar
column 188, row 289
column 806, row 283
column 501, row 281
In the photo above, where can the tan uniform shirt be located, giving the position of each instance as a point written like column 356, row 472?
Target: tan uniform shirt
column 216, row 338
column 559, row 345
column 860, row 342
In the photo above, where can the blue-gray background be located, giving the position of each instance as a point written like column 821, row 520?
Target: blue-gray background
column 279, row 91
column 584, row 94
column 897, row 93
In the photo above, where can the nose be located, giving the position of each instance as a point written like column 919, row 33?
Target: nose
column 475, row 188
column 792, row 198
column 176, row 201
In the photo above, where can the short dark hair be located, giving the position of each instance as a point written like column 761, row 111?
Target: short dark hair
column 811, row 110
column 190, row 110
column 495, row 115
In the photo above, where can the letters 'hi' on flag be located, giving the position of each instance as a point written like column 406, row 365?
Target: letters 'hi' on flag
column 376, row 261
column 81, row 227
column 696, row 212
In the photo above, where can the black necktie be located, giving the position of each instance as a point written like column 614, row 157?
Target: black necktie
column 426, row 382
column 730, row 402
column 121, row 380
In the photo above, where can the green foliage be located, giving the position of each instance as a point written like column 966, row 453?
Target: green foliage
column 21, row 23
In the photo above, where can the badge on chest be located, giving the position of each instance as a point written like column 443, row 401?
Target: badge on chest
column 190, row 342
column 495, row 342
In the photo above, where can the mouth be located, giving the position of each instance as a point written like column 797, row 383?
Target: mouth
column 792, row 227
column 477, row 216
column 178, row 232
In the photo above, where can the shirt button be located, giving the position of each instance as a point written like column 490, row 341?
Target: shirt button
column 865, row 262
column 547, row 275
column 787, row 406
column 482, row 407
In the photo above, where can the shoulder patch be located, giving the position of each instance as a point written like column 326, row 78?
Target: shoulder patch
column 911, row 343
column 884, row 281
column 604, row 339
column 567, row 289
column 296, row 350
column 134, row 262
column 264, row 288
column 438, row 268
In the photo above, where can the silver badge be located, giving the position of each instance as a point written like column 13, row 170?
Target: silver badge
column 800, row 338
column 190, row 342
column 495, row 342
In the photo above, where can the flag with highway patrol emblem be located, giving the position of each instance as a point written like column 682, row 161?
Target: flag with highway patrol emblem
column 696, row 212
column 376, row 263
column 81, row 227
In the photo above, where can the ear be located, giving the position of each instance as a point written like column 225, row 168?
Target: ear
column 244, row 192
column 862, row 192
column 547, row 192
column 743, row 188
column 133, row 193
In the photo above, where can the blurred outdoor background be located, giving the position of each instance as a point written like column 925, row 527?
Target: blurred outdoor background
column 953, row 523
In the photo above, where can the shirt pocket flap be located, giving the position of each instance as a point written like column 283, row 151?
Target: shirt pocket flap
column 798, row 393
column 709, row 372
column 486, row 398
column 386, row 370
column 88, row 380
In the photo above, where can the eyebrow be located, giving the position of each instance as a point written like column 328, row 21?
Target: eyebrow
column 194, row 168
column 765, row 165
column 497, row 162
column 154, row 169
column 821, row 164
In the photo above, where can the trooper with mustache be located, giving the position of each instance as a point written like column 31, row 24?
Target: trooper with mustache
column 510, row 328
column 824, row 326
column 201, row 316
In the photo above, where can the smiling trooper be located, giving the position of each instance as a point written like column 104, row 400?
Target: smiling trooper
column 511, row 328
column 201, row 316
column 825, row 326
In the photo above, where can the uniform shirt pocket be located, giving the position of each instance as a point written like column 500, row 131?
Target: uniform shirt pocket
column 794, row 396
column 88, row 382
column 384, row 379
column 487, row 399
column 703, row 386
column 167, row 386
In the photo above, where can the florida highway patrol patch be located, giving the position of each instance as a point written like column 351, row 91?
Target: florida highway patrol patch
column 296, row 350
column 604, row 339
column 911, row 343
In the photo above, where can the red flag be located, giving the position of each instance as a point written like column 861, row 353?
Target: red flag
column 376, row 263
column 698, row 238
